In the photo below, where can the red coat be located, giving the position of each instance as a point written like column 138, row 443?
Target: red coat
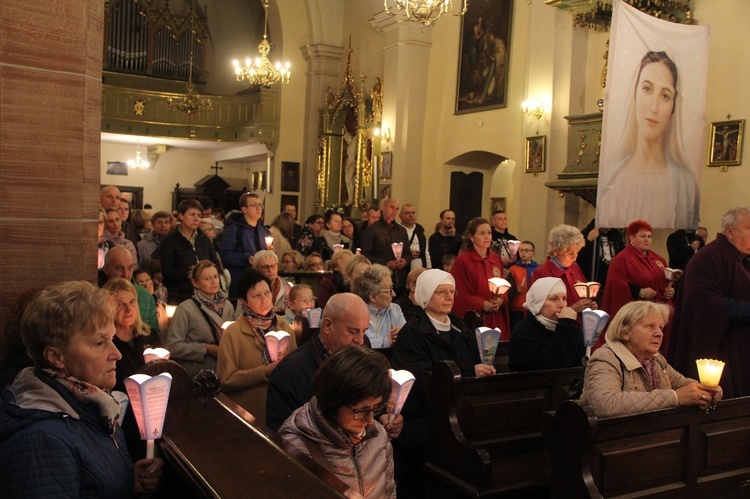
column 471, row 273
column 631, row 270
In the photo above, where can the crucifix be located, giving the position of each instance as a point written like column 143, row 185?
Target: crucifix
column 217, row 168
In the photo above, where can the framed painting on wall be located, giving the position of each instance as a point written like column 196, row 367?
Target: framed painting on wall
column 386, row 165
column 725, row 146
column 484, row 53
column 289, row 176
column 535, row 154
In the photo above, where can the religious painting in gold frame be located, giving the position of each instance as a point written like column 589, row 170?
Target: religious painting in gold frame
column 536, row 154
column 725, row 143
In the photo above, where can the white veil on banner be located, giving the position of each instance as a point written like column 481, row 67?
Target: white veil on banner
column 653, row 130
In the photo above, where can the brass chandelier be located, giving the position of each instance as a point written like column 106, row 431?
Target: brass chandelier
column 261, row 72
column 424, row 12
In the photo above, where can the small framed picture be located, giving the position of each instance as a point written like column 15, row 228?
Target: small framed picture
column 117, row 168
column 498, row 204
column 386, row 165
column 725, row 145
column 536, row 150
column 384, row 192
column 289, row 176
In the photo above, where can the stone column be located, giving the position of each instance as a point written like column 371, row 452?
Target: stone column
column 323, row 67
column 407, row 57
column 50, row 120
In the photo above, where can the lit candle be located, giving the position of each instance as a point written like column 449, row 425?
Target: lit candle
column 498, row 286
column 269, row 240
column 170, row 310
column 709, row 371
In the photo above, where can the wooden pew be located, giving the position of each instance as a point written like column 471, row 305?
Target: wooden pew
column 213, row 448
column 673, row 453
column 485, row 433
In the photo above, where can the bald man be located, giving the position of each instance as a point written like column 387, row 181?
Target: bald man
column 345, row 320
column 119, row 263
column 377, row 244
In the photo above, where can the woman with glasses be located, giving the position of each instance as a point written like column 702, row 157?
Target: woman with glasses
column 244, row 362
column 195, row 330
column 292, row 261
column 375, row 286
column 336, row 427
column 549, row 336
column 267, row 263
column 435, row 335
column 474, row 266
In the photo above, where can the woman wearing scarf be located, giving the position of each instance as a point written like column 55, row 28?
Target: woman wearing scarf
column 549, row 336
column 58, row 422
column 244, row 361
column 331, row 236
column 195, row 331
column 435, row 335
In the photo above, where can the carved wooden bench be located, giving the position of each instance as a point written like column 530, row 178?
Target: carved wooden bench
column 485, row 433
column 682, row 452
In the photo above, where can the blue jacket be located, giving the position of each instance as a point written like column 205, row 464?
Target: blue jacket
column 238, row 245
column 53, row 445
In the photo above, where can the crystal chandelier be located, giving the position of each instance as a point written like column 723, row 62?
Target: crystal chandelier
column 191, row 102
column 261, row 71
column 425, row 12
column 138, row 163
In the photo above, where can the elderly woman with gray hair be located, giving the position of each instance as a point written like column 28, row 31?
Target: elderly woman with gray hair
column 628, row 374
column 435, row 335
column 565, row 241
column 549, row 336
column 375, row 286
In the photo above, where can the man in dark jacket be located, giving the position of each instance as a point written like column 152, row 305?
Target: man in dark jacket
column 183, row 248
column 501, row 236
column 244, row 235
column 682, row 244
column 377, row 244
column 345, row 321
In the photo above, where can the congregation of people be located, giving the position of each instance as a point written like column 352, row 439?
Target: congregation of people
column 390, row 294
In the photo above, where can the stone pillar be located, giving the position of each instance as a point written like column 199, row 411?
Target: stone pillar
column 323, row 68
column 407, row 57
column 50, row 119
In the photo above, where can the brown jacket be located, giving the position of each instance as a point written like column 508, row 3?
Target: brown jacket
column 366, row 467
column 240, row 365
column 616, row 383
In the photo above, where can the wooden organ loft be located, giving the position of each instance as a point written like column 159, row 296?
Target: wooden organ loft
column 146, row 62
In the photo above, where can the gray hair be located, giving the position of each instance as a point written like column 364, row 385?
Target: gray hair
column 730, row 217
column 369, row 282
column 263, row 255
column 633, row 313
column 565, row 236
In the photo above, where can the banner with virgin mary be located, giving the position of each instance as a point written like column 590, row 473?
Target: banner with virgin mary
column 654, row 117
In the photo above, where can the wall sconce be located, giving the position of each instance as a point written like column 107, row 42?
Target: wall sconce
column 533, row 108
column 383, row 132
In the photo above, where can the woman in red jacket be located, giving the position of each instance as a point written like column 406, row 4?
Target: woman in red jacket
column 637, row 273
column 471, row 270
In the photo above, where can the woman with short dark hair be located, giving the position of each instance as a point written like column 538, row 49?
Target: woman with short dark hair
column 336, row 429
column 244, row 362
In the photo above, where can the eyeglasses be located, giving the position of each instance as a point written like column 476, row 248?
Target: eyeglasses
column 254, row 205
column 266, row 268
column 387, row 290
column 360, row 414
column 306, row 300
column 144, row 283
column 443, row 293
column 526, row 250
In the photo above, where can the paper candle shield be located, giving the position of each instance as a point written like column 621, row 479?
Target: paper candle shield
column 337, row 247
column 498, row 285
column 513, row 246
column 398, row 250
column 148, row 398
column 150, row 354
column 269, row 240
column 122, row 399
column 594, row 322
